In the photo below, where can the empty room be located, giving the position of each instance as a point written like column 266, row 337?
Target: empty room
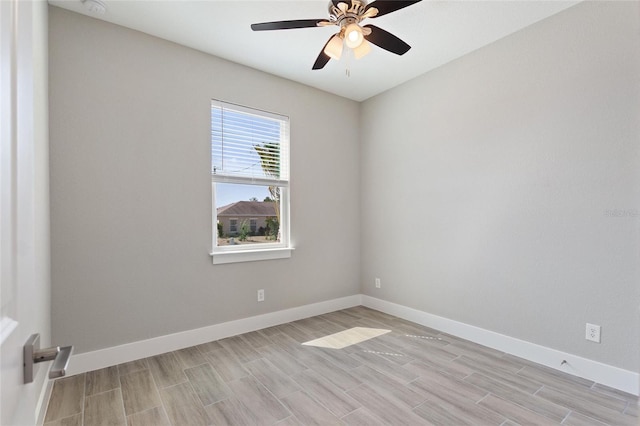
column 279, row 212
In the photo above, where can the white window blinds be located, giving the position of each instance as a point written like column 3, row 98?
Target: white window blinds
column 248, row 145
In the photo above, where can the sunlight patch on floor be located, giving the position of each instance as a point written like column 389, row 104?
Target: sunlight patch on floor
column 346, row 338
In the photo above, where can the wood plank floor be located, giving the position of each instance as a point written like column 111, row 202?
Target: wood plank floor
column 412, row 375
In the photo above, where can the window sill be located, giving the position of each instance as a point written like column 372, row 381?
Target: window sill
column 220, row 257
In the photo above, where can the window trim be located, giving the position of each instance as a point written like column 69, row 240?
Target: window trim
column 221, row 258
column 261, row 251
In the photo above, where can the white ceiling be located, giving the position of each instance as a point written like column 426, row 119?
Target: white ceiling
column 438, row 31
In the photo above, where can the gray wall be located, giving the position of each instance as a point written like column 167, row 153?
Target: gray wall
column 504, row 164
column 484, row 195
column 131, row 192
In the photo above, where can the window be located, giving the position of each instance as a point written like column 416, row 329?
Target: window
column 250, row 184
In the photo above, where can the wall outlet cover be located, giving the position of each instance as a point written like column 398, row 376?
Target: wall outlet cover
column 593, row 333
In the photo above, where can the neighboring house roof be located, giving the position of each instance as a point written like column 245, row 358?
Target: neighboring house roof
column 248, row 208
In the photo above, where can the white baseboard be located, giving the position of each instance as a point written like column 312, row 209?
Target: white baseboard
column 608, row 375
column 102, row 358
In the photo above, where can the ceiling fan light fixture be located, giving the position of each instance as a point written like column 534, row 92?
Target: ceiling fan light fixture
column 362, row 50
column 347, row 15
column 334, row 47
column 353, row 36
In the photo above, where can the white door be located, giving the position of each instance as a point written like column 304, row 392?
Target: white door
column 24, row 212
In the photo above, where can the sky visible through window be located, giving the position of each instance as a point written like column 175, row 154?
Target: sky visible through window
column 227, row 193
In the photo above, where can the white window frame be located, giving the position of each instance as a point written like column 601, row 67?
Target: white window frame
column 262, row 251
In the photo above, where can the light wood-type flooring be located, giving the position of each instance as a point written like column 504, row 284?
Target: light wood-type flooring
column 412, row 375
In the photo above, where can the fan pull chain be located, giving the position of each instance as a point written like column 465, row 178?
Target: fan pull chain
column 348, row 54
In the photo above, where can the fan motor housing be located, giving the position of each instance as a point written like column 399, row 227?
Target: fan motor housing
column 350, row 13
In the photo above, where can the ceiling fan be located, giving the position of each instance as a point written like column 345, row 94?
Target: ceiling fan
column 347, row 15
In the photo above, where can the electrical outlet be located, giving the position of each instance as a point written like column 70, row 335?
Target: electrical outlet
column 377, row 282
column 261, row 295
column 593, row 333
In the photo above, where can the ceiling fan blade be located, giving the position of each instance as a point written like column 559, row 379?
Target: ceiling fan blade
column 323, row 59
column 388, row 6
column 386, row 40
column 287, row 25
